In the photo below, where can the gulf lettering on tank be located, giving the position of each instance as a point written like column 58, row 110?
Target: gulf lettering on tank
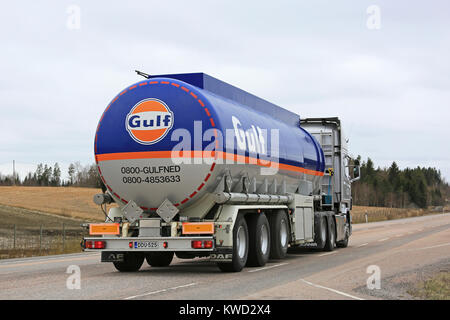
column 149, row 121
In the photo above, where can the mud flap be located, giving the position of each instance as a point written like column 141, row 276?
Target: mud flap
column 222, row 256
column 113, row 256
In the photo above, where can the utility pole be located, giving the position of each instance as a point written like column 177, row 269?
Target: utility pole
column 14, row 172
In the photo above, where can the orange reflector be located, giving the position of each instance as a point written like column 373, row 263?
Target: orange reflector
column 104, row 228
column 198, row 228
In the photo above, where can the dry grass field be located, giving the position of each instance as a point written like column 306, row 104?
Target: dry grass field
column 64, row 201
column 58, row 211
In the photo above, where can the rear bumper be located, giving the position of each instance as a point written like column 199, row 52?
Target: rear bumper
column 149, row 244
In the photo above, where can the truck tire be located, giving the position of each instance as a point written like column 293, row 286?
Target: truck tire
column 259, row 235
column 331, row 235
column 159, row 259
column 240, row 247
column 320, row 235
column 279, row 234
column 131, row 263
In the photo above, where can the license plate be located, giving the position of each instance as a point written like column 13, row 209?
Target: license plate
column 146, row 244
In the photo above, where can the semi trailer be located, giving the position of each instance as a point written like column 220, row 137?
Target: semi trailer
column 195, row 167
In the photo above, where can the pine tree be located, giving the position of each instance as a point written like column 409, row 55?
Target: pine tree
column 71, row 172
column 56, row 176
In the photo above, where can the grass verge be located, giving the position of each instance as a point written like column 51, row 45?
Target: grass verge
column 72, row 246
column 437, row 287
column 382, row 214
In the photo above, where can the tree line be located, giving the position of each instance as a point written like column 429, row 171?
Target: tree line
column 393, row 187
column 382, row 187
column 45, row 175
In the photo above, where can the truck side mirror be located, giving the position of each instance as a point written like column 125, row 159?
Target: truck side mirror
column 356, row 172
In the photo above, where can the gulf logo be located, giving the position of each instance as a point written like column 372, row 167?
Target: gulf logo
column 149, row 121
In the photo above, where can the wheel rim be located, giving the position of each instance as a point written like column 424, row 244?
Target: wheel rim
column 283, row 233
column 241, row 242
column 264, row 239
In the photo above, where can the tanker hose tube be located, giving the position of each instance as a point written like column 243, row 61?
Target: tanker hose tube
column 230, row 197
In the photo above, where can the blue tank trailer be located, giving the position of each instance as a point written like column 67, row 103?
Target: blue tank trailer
column 200, row 168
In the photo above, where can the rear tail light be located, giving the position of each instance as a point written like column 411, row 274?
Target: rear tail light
column 196, row 244
column 99, row 244
column 95, row 245
column 202, row 244
column 208, row 244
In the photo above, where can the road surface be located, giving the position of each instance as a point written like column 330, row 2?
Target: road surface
column 399, row 248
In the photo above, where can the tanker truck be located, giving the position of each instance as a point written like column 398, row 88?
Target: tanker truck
column 195, row 167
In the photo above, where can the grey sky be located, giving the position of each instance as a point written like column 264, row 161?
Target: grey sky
column 391, row 86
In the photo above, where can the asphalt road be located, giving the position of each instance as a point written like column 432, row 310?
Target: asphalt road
column 398, row 248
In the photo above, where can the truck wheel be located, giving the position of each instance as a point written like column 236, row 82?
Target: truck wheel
column 331, row 236
column 320, row 237
column 240, row 247
column 132, row 262
column 159, row 259
column 259, row 235
column 344, row 243
column 279, row 234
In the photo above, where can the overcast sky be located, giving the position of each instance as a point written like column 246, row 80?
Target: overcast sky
column 390, row 85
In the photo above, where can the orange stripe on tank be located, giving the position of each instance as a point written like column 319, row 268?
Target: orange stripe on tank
column 205, row 155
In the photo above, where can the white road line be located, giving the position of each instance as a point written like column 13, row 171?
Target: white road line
column 32, row 263
column 381, row 240
column 159, row 291
column 5, row 263
column 326, row 254
column 362, row 245
column 332, row 290
column 436, row 246
column 269, row 267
